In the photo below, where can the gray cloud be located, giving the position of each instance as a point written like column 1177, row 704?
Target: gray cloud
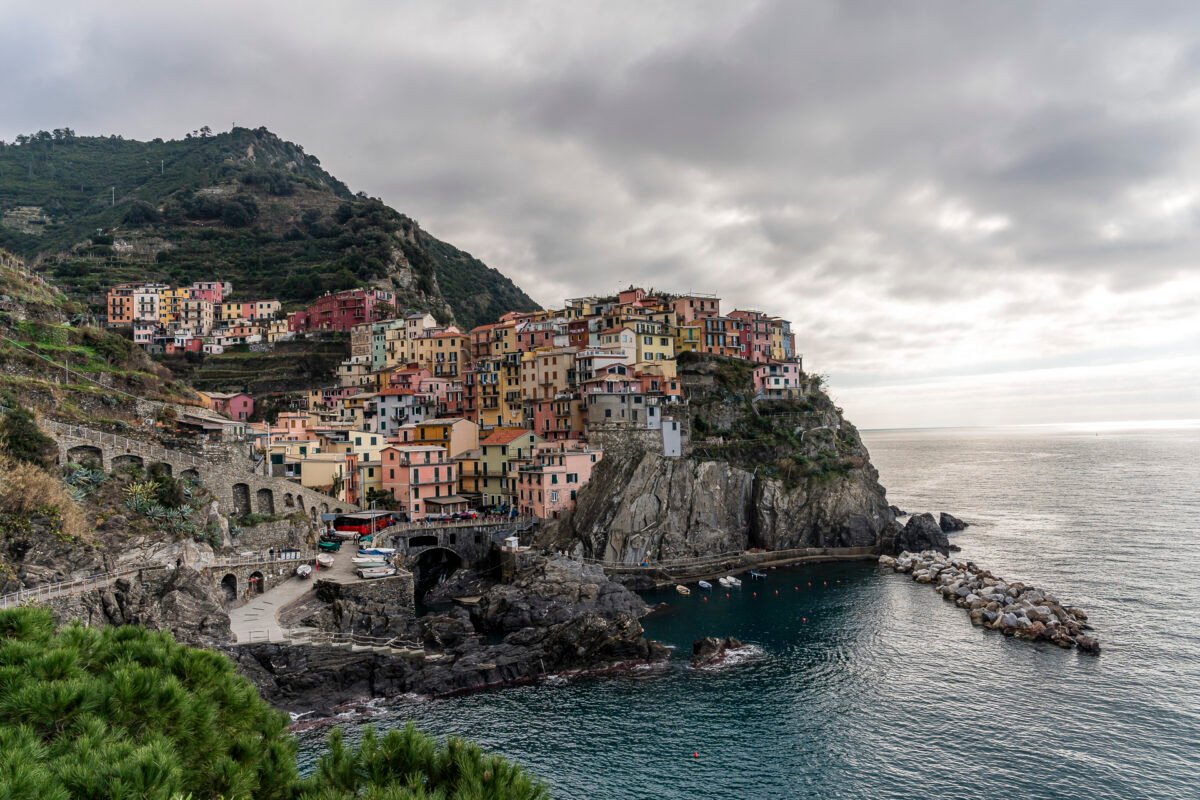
column 920, row 186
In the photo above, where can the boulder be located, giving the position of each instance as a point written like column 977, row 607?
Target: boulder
column 922, row 533
column 711, row 650
column 950, row 523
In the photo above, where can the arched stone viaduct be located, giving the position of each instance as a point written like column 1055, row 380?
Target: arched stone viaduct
column 227, row 474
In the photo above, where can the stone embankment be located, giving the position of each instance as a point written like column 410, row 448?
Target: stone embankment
column 1010, row 607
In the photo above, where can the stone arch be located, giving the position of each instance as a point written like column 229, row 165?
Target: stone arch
column 432, row 567
column 324, row 508
column 241, row 499
column 265, row 502
column 312, row 512
column 256, row 584
column 425, row 540
column 289, row 501
column 127, row 461
column 87, row 455
column 160, row 467
column 229, row 587
column 192, row 475
column 337, row 511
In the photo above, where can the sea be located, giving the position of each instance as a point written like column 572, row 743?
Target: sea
column 859, row 683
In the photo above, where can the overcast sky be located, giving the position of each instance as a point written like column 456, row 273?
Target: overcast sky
column 974, row 213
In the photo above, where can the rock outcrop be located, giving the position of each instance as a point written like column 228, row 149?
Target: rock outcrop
column 180, row 600
column 950, row 523
column 711, row 650
column 922, row 532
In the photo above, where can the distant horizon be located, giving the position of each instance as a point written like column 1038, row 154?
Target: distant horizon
column 1115, row 425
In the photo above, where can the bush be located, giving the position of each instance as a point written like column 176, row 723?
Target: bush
column 123, row 712
column 28, row 490
column 21, row 438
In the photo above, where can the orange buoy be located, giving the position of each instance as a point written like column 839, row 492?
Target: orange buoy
column 696, row 754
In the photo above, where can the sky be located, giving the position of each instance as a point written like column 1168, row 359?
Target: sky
column 973, row 213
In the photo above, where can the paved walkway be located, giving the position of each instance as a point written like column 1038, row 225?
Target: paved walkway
column 258, row 620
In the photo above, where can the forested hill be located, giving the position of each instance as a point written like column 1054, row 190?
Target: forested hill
column 243, row 206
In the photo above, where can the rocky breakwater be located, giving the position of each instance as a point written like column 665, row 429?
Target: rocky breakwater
column 1011, row 607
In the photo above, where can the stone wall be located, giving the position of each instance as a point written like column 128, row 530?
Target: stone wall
column 380, row 607
column 298, row 531
column 234, row 583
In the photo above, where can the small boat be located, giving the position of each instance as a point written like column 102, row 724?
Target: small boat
column 734, row 582
column 325, row 561
column 378, row 561
column 330, row 547
column 724, row 582
column 375, row 572
column 758, row 576
column 705, row 585
column 376, row 551
column 683, row 590
column 304, row 570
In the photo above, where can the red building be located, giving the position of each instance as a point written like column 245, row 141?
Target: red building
column 344, row 310
column 755, row 335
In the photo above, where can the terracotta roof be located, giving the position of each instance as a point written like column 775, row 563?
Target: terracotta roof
column 505, row 435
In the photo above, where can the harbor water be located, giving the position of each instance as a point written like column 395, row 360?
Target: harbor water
column 861, row 683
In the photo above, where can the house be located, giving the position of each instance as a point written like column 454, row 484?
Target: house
column 344, row 310
column 500, row 455
column 421, row 478
column 235, row 405
column 779, row 381
column 549, row 484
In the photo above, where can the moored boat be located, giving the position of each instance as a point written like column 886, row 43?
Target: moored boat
column 375, row 572
column 683, row 589
column 378, row 561
column 724, row 582
column 376, row 551
column 705, row 585
column 325, row 561
column 758, row 576
column 732, row 581
column 303, row 571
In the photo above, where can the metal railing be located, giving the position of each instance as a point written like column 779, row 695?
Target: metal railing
column 264, row 557
column 48, row 591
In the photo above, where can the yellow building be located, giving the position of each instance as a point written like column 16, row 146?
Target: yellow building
column 443, row 354
column 501, row 455
column 170, row 304
column 687, row 338
column 470, row 478
column 547, row 373
column 456, row 436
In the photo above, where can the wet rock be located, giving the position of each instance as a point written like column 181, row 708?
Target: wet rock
column 950, row 523
column 711, row 650
column 922, row 533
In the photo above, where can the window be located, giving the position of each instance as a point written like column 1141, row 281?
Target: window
column 391, row 474
column 553, row 496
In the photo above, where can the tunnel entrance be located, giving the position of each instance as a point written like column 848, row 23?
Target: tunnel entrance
column 433, row 567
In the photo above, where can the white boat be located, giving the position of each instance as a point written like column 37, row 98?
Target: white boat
column 378, row 561
column 303, row 571
column 376, row 551
column 724, row 582
column 734, row 582
column 375, row 572
column 683, row 589
column 325, row 560
column 705, row 585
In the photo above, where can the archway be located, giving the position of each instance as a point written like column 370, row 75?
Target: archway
column 160, row 468
column 289, row 501
column 190, row 475
column 324, row 508
column 265, row 501
column 425, row 540
column 256, row 584
column 241, row 499
column 337, row 511
column 433, row 567
column 229, row 587
column 127, row 461
column 86, row 455
column 312, row 512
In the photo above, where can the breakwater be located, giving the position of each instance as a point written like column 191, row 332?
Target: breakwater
column 992, row 602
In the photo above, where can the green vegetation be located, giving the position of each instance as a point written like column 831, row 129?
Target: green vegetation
column 20, row 436
column 126, row 713
column 243, row 206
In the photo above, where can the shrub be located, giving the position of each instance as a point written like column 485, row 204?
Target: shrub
column 123, row 712
column 28, row 490
column 21, row 438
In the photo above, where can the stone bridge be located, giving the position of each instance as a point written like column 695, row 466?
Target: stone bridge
column 227, row 475
column 471, row 542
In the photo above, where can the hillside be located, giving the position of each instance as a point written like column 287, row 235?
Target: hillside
column 243, row 206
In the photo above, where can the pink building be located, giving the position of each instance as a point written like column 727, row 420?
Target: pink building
column 237, row 405
column 422, row 479
column 344, row 310
column 550, row 485
column 779, row 380
column 755, row 335
column 213, row 291
column 690, row 308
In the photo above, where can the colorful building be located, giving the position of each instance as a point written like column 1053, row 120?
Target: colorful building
column 421, row 478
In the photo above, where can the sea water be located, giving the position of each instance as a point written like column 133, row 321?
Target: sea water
column 861, row 683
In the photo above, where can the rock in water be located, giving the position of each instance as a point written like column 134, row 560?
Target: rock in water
column 921, row 533
column 950, row 523
column 897, row 511
column 711, row 650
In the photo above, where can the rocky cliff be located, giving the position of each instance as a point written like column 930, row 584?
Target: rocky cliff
column 773, row 475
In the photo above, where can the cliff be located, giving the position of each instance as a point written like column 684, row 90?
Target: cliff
column 772, row 475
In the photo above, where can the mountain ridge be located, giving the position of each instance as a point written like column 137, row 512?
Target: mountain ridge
column 245, row 206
